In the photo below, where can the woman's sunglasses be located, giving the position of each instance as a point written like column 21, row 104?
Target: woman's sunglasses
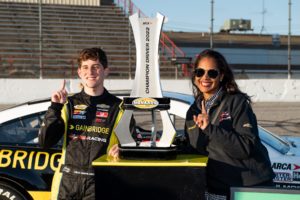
column 212, row 73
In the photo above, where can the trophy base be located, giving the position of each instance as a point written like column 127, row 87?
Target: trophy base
column 148, row 153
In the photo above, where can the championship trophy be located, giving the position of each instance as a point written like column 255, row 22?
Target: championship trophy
column 146, row 95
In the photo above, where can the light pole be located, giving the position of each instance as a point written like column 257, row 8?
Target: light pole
column 130, row 11
column 263, row 12
column 289, row 41
column 40, row 40
column 211, row 24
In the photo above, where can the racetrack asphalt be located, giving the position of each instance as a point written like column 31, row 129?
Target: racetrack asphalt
column 278, row 117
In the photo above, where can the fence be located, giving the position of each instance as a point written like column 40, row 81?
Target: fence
column 63, row 2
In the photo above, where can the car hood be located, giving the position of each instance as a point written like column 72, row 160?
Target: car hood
column 294, row 143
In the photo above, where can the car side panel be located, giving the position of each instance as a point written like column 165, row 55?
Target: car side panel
column 32, row 168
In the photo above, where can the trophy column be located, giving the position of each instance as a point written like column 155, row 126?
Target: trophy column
column 146, row 94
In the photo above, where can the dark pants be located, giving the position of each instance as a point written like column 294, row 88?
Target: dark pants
column 75, row 187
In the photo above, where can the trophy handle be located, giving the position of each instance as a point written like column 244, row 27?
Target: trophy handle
column 123, row 129
column 169, row 131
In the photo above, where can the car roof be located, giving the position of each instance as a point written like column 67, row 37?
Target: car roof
column 179, row 105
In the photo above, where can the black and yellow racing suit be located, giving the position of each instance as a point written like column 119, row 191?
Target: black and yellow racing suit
column 87, row 124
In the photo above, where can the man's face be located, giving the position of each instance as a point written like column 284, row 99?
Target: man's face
column 92, row 74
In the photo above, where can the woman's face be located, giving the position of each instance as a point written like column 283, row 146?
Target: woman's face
column 207, row 77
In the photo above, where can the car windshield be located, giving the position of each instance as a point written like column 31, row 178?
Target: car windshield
column 21, row 130
column 274, row 141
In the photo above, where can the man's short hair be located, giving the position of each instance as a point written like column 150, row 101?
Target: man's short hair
column 92, row 54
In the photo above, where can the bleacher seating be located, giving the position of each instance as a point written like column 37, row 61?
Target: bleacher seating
column 65, row 29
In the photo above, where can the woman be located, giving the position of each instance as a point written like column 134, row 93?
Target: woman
column 221, row 124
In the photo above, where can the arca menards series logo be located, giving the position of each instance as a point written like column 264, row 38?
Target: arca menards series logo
column 285, row 166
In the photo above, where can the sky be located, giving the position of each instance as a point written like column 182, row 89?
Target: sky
column 267, row 16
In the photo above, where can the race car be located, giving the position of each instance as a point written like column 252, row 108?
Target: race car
column 26, row 170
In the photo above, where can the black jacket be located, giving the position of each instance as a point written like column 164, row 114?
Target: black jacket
column 236, row 154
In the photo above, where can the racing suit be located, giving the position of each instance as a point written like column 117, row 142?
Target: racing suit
column 236, row 156
column 87, row 124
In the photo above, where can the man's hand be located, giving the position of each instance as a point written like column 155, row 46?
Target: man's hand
column 60, row 96
column 114, row 152
column 202, row 119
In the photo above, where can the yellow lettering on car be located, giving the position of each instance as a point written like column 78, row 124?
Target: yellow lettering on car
column 5, row 156
column 26, row 160
column 37, row 158
column 30, row 159
column 19, row 157
column 52, row 160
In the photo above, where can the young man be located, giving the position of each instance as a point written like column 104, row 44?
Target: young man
column 86, row 120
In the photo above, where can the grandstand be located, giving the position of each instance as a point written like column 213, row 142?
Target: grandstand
column 43, row 40
column 248, row 54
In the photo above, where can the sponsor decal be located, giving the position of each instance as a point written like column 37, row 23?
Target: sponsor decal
column 102, row 114
column 95, row 129
column 98, row 139
column 288, row 186
column 296, row 176
column 79, row 112
column 296, row 167
column 90, row 138
column 37, row 160
column 66, row 169
column 282, row 166
column 80, row 107
column 145, row 103
column 71, row 127
column 103, row 106
column 247, row 125
column 100, row 120
column 147, row 23
column 77, row 137
column 192, row 127
column 84, row 173
column 103, row 110
column 78, row 117
column 283, row 177
column 224, row 116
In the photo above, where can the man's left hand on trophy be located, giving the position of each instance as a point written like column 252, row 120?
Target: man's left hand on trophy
column 113, row 153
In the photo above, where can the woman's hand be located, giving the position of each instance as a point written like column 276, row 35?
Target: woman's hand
column 202, row 119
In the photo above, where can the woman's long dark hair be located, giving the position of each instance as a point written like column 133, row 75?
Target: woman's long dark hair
column 228, row 82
